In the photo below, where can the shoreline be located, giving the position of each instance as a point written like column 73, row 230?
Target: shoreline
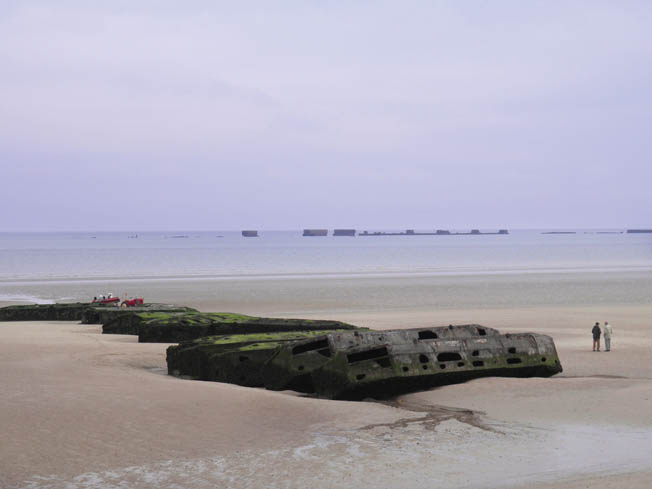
column 329, row 295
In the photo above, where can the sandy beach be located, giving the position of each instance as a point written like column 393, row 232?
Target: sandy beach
column 84, row 410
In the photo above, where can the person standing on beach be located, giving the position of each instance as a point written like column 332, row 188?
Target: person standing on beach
column 608, row 333
column 596, row 337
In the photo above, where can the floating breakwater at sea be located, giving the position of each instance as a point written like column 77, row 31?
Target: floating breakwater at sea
column 92, row 255
column 438, row 232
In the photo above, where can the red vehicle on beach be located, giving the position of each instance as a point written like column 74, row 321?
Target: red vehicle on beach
column 138, row 301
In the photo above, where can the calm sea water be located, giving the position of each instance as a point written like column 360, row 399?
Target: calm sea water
column 79, row 264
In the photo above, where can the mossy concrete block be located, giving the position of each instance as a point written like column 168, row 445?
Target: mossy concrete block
column 45, row 312
column 185, row 327
column 191, row 358
column 130, row 322
column 244, row 366
column 292, row 368
column 104, row 315
column 354, row 364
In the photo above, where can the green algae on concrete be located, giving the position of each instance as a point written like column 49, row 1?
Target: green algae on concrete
column 200, row 358
column 242, row 366
column 185, row 327
column 129, row 322
column 104, row 315
column 47, row 312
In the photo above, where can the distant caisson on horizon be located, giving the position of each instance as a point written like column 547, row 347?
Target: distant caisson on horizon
column 315, row 232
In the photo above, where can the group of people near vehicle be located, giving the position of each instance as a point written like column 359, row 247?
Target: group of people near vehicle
column 105, row 298
column 607, row 331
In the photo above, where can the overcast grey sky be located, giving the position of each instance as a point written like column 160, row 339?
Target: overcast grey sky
column 282, row 115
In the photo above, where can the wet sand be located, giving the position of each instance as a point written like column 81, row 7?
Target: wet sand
column 85, row 410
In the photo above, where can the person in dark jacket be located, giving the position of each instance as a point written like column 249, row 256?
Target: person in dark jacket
column 596, row 337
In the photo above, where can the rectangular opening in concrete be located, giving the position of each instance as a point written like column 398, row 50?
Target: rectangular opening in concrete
column 367, row 355
column 427, row 335
column 478, row 363
column 449, row 356
column 514, row 360
column 313, row 345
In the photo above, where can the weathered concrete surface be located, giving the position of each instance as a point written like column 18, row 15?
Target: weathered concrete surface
column 374, row 364
column 292, row 368
column 46, row 312
column 235, row 359
column 176, row 328
column 128, row 322
column 357, row 364
column 104, row 315
column 191, row 358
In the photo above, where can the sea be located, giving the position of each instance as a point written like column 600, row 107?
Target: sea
column 283, row 271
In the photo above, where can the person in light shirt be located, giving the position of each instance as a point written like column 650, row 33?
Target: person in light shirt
column 608, row 332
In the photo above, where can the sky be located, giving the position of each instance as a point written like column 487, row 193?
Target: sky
column 205, row 115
